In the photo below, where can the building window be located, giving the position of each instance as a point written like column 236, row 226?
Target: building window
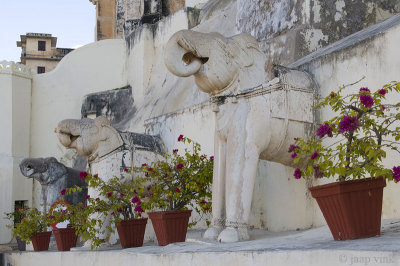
column 41, row 69
column 41, row 46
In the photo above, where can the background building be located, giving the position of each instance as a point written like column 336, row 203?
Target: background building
column 39, row 51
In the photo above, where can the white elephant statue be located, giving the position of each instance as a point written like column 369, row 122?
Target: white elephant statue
column 252, row 121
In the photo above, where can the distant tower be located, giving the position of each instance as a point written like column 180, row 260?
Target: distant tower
column 39, row 52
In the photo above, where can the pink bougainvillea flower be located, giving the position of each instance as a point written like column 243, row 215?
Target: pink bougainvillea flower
column 179, row 166
column 366, row 100
column 146, row 174
column 121, row 195
column 323, row 130
column 149, row 169
column 150, row 195
column 314, row 155
column 138, row 209
column 83, row 175
column 97, row 199
column 364, row 89
column 382, row 91
column 203, row 202
column 180, row 137
column 96, row 175
column 178, row 190
column 149, row 187
column 332, row 94
column 211, row 158
column 120, row 210
column 294, row 155
column 145, row 164
column 199, row 185
column 109, row 194
column 383, row 107
column 292, row 147
column 62, row 192
column 175, row 150
column 396, row 173
column 126, row 170
column 87, row 197
column 348, row 124
column 297, row 173
column 169, row 170
column 135, row 199
column 112, row 213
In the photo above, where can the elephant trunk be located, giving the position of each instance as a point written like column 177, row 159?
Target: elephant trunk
column 68, row 131
column 186, row 51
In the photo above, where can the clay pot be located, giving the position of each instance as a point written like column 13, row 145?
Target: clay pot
column 65, row 238
column 41, row 241
column 352, row 209
column 170, row 226
column 131, row 232
column 21, row 244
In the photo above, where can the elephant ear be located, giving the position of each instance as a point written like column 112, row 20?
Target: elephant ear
column 248, row 46
column 55, row 170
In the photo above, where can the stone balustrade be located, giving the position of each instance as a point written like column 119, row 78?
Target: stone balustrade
column 10, row 67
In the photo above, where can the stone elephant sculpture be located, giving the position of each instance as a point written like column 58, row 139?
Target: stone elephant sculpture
column 53, row 176
column 252, row 121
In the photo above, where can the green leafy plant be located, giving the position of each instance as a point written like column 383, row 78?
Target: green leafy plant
column 16, row 216
column 178, row 181
column 364, row 128
column 33, row 222
column 116, row 198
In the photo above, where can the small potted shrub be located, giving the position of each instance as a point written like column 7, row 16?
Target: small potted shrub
column 351, row 147
column 173, row 184
column 15, row 217
column 64, row 219
column 33, row 227
column 118, row 199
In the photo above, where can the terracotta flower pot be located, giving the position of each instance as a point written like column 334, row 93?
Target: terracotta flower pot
column 170, row 226
column 65, row 238
column 131, row 232
column 352, row 209
column 21, row 244
column 41, row 241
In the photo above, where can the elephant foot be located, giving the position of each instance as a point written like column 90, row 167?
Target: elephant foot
column 213, row 232
column 232, row 234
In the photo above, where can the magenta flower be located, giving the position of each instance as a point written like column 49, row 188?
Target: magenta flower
column 180, row 137
column 121, row 195
column 135, row 199
column 97, row 199
column 109, row 194
column 149, row 187
column 145, row 164
column 62, row 192
column 332, row 94
column 293, row 147
column 138, row 209
column 297, row 173
column 382, row 91
column 383, row 107
column 314, row 155
column 203, row 202
column 175, row 150
column 364, row 89
column 211, row 158
column 112, row 213
column 349, row 123
column 294, row 154
column 178, row 190
column 126, row 170
column 179, row 166
column 396, row 173
column 323, row 130
column 120, row 210
column 317, row 172
column 87, row 197
column 96, row 175
column 366, row 100
column 149, row 169
column 146, row 174
column 83, row 175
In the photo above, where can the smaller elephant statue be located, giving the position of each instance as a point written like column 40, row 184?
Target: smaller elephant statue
column 53, row 176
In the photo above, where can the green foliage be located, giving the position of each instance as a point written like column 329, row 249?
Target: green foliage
column 16, row 216
column 178, row 181
column 363, row 130
column 33, row 222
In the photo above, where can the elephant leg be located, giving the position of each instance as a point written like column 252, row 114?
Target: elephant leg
column 248, row 136
column 218, row 189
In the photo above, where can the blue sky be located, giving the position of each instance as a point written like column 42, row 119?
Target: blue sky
column 71, row 21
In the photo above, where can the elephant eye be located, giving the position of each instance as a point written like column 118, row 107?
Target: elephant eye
column 28, row 167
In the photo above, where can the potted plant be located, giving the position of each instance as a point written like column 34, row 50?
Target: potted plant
column 33, row 227
column 173, row 184
column 351, row 147
column 15, row 217
column 118, row 199
column 64, row 219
